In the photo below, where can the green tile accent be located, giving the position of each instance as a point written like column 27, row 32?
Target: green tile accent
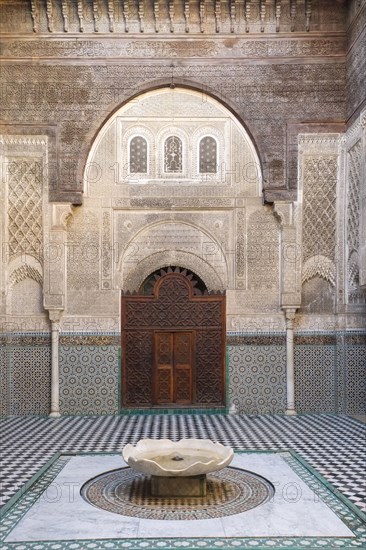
column 157, row 411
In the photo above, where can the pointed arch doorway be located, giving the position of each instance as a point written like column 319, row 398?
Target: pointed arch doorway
column 173, row 343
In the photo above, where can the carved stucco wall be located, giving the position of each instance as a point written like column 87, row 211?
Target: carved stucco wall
column 331, row 190
column 214, row 225
column 354, row 214
column 356, row 59
column 267, row 79
column 24, row 205
column 319, row 174
column 66, row 93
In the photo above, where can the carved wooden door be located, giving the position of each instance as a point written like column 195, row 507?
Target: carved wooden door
column 173, row 345
column 173, row 367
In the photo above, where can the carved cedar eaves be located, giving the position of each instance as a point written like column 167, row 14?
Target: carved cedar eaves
column 111, row 15
column 218, row 14
column 202, row 15
column 293, row 13
column 156, row 15
column 186, row 15
column 95, row 15
column 278, row 15
column 232, row 15
column 34, row 14
column 262, row 13
column 126, row 13
column 307, row 14
column 65, row 14
column 210, row 13
column 247, row 15
column 141, row 15
column 49, row 15
column 81, row 15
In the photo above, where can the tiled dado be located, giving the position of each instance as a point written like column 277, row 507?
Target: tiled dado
column 315, row 378
column 257, row 373
column 89, row 374
column 330, row 373
column 355, row 382
column 25, row 374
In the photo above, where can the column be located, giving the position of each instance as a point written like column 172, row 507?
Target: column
column 55, row 316
column 290, row 366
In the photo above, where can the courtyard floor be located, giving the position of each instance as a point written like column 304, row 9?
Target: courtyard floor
column 332, row 446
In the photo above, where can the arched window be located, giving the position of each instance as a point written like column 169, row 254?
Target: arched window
column 173, row 155
column 208, row 155
column 138, row 155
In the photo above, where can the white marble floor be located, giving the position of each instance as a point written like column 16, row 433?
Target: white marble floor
column 62, row 514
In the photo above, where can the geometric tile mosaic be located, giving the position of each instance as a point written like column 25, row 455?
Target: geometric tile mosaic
column 257, row 378
column 127, row 492
column 355, row 379
column 329, row 373
column 88, row 379
column 315, row 389
column 4, row 380
column 26, row 371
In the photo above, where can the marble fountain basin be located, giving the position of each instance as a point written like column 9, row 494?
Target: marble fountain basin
column 177, row 468
column 187, row 457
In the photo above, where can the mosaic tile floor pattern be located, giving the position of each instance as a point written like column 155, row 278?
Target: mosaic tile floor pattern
column 126, row 492
column 334, row 445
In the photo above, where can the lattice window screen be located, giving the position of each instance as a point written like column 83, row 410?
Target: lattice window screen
column 208, row 155
column 138, row 155
column 173, row 155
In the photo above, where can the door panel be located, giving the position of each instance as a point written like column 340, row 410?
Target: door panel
column 183, row 368
column 164, row 385
column 173, row 367
column 164, row 367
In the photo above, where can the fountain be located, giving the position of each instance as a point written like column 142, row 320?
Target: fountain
column 177, row 468
column 189, row 479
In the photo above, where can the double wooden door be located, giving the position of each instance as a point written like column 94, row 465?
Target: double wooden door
column 173, row 367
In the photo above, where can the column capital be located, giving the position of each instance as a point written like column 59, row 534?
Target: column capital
column 60, row 213
column 55, row 315
column 290, row 313
column 284, row 210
